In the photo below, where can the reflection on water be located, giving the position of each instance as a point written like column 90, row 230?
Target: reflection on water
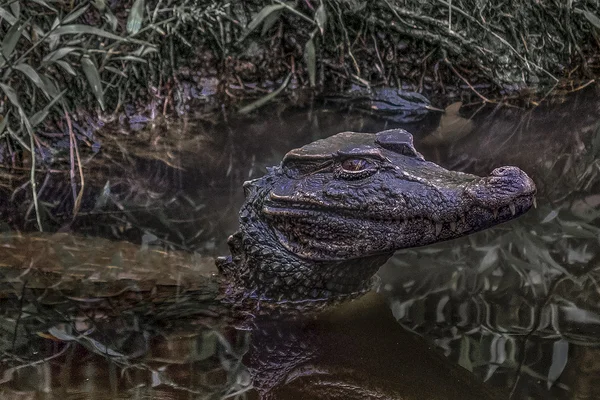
column 518, row 305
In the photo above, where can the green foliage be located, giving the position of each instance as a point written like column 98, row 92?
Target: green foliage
column 269, row 15
column 136, row 17
column 93, row 78
column 590, row 16
column 89, row 52
column 58, row 56
column 265, row 99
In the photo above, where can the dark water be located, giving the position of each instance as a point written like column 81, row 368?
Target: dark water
column 518, row 305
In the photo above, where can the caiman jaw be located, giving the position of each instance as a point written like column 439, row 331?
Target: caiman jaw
column 319, row 230
column 292, row 228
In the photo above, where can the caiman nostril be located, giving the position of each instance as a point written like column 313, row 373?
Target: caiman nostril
column 506, row 171
column 511, row 179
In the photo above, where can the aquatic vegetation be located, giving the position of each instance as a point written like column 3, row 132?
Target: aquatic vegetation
column 58, row 58
column 516, row 305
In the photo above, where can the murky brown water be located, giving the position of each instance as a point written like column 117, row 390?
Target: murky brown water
column 517, row 305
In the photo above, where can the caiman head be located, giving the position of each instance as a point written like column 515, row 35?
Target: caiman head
column 319, row 225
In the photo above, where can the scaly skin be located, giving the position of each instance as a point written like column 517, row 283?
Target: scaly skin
column 318, row 226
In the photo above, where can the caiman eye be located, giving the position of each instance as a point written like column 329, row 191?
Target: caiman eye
column 356, row 168
column 355, row 164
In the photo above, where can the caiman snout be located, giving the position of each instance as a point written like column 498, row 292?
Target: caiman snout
column 503, row 186
column 514, row 180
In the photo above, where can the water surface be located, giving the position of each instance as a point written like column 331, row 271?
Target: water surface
column 516, row 305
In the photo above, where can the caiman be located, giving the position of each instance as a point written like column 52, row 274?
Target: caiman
column 318, row 226
column 314, row 230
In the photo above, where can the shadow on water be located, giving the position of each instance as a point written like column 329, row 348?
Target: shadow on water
column 516, row 305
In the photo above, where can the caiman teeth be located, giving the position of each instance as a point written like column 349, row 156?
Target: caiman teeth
column 513, row 210
column 277, row 197
column 438, row 228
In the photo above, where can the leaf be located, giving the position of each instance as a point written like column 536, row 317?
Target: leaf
column 101, row 348
column 111, row 19
column 148, row 50
column 75, row 29
column 73, row 15
column 53, row 40
column 43, row 113
column 489, row 260
column 260, row 17
column 209, row 345
column 577, row 229
column 144, row 50
column 594, row 20
column 311, row 61
column 464, row 359
column 116, row 71
column 67, row 67
column 560, row 356
column 553, row 214
column 15, row 7
column 50, row 86
column 60, row 334
column 269, row 21
column 130, row 58
column 37, row 32
column 3, row 122
column 104, row 197
column 321, row 17
column 10, row 93
column 519, row 263
column 587, row 209
column 100, row 4
column 136, row 16
column 579, row 255
column 265, row 99
column 58, row 54
column 537, row 252
column 10, row 40
column 497, row 355
column 33, row 76
column 84, row 340
column 12, row 96
column 38, row 117
column 8, row 16
column 44, row 4
column 93, row 77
